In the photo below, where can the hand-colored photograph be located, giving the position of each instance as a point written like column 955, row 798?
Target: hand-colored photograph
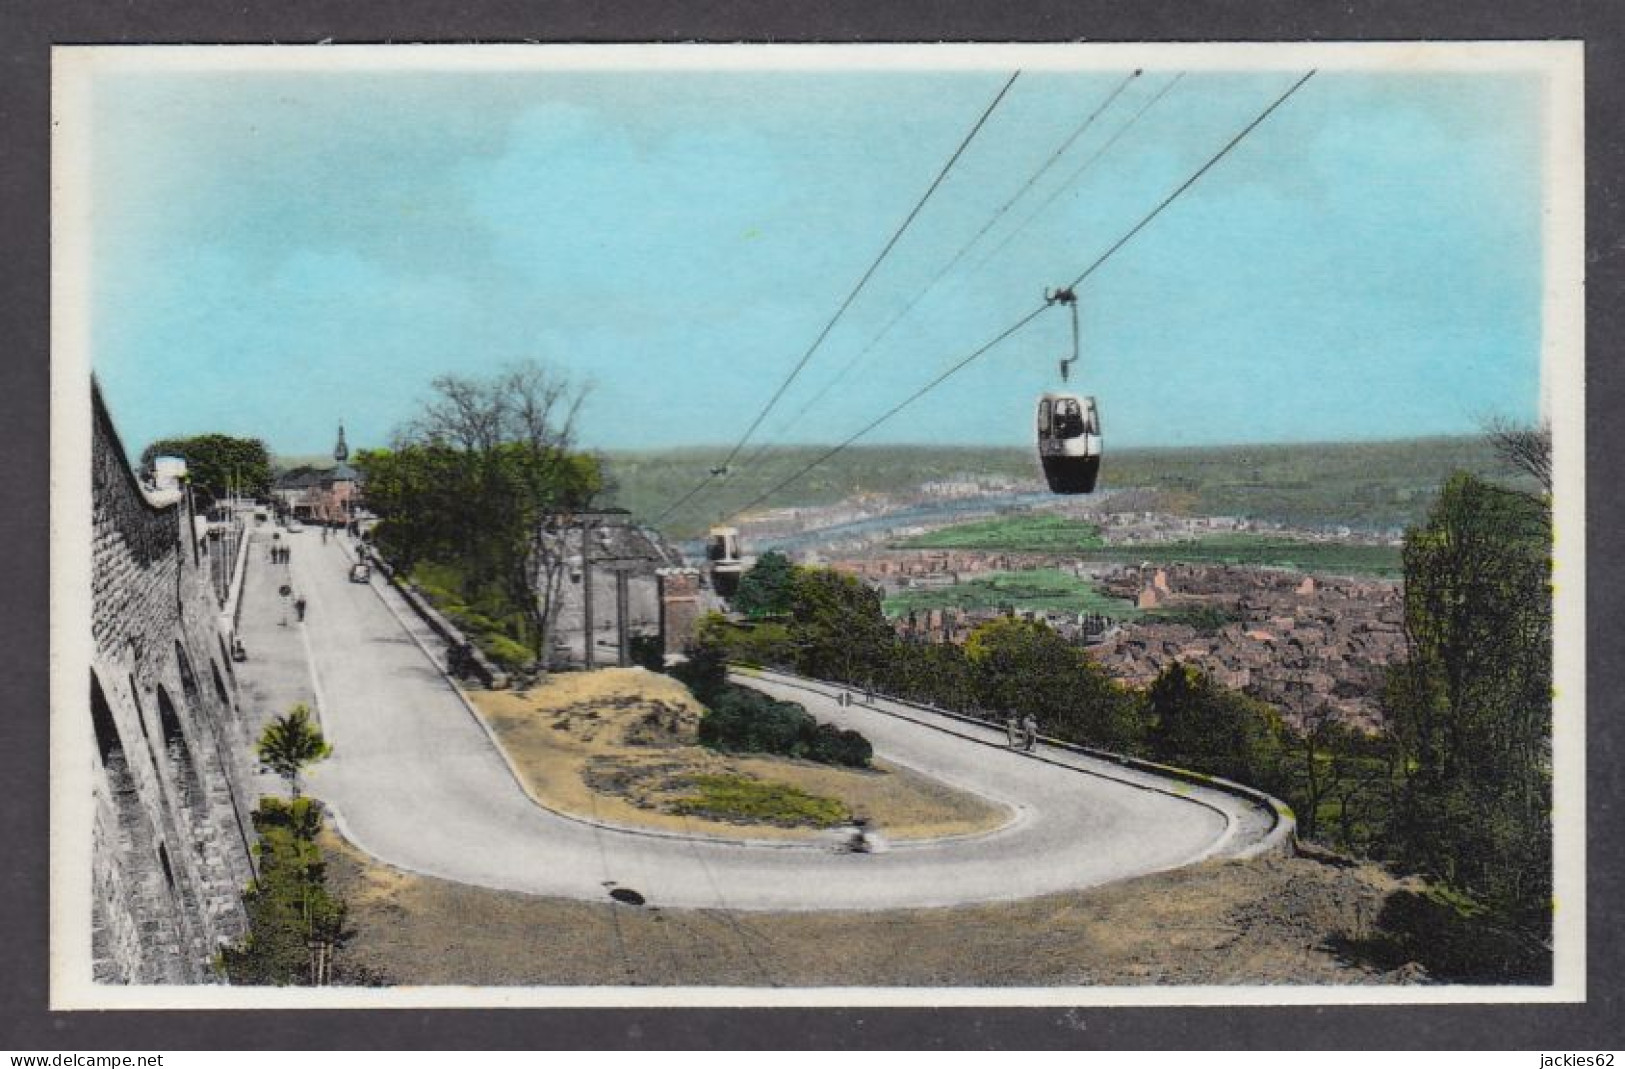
column 730, row 525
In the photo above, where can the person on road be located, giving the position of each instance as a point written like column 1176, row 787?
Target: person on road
column 299, row 607
column 1012, row 730
column 858, row 841
column 1029, row 729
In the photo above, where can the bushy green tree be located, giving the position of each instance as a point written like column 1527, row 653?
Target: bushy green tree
column 291, row 742
column 1196, row 723
column 933, row 673
column 1023, row 667
column 765, row 590
column 1471, row 706
column 837, row 628
column 217, row 464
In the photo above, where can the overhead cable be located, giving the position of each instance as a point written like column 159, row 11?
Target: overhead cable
column 963, row 249
column 1030, row 316
column 847, row 303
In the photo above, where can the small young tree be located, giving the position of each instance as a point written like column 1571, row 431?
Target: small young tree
column 291, row 742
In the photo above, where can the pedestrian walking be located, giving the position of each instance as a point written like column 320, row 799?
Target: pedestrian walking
column 1012, row 730
column 1029, row 728
column 299, row 607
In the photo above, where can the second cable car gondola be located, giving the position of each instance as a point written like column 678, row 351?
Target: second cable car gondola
column 722, row 552
column 1069, row 442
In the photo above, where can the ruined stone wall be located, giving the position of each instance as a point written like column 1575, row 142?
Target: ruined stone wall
column 170, row 841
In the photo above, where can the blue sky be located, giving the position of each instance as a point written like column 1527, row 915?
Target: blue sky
column 276, row 251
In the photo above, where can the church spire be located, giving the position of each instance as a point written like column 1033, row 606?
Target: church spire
column 341, row 452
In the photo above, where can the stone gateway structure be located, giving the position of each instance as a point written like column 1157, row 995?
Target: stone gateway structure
column 171, row 836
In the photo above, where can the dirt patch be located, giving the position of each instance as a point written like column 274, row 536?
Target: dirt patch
column 1269, row 921
column 621, row 745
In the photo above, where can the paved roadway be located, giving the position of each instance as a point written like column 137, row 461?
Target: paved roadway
column 416, row 782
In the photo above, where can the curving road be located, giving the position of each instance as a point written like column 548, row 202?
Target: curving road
column 416, row 782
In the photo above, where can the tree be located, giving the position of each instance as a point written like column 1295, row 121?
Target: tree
column 1471, row 705
column 295, row 923
column 837, row 628
column 291, row 742
column 1527, row 449
column 765, row 590
column 217, row 464
column 1023, row 667
column 1323, row 746
column 487, row 478
column 1198, row 724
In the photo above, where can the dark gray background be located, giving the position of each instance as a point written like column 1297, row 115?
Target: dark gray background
column 27, row 30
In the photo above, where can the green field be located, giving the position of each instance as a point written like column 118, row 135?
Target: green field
column 1029, row 533
column 1262, row 551
column 1040, row 533
column 1042, row 588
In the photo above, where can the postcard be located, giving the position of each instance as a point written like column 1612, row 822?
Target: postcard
column 1068, row 525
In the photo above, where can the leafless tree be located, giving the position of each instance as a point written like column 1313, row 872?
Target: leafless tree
column 1529, row 449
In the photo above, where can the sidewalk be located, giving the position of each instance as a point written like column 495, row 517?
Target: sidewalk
column 277, row 672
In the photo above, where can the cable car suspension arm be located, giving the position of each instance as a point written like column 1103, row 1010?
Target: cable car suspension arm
column 1068, row 296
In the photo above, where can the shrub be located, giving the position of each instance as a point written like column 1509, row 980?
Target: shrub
column 741, row 798
column 837, row 746
column 503, row 651
column 745, row 721
column 289, row 906
column 649, row 651
column 704, row 671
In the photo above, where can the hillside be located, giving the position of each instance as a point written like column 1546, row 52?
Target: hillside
column 1269, row 921
column 1370, row 485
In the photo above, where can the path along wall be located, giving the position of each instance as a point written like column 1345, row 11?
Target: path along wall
column 171, row 835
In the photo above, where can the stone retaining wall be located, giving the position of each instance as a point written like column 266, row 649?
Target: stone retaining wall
column 171, row 836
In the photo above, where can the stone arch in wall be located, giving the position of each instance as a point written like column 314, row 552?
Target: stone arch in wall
column 135, row 847
column 121, row 785
column 191, row 814
column 188, row 785
column 208, row 725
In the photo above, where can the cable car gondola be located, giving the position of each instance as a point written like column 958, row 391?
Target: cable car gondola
column 1069, row 442
column 1069, row 424
column 722, row 551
